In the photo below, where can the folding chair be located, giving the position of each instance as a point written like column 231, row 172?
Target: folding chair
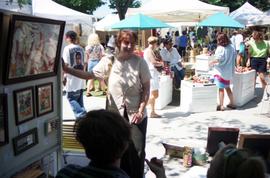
column 71, row 147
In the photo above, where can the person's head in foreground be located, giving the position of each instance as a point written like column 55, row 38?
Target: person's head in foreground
column 125, row 43
column 230, row 162
column 105, row 137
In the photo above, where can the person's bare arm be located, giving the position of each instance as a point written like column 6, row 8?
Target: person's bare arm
column 248, row 57
column 78, row 73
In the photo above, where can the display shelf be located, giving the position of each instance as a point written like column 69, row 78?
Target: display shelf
column 195, row 96
column 243, row 88
column 165, row 92
column 202, row 62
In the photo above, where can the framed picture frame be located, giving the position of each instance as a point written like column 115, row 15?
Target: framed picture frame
column 25, row 141
column 220, row 134
column 44, row 98
column 1, row 24
column 33, row 48
column 24, row 105
column 258, row 143
column 3, row 119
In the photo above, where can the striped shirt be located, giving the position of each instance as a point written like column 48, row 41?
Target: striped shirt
column 76, row 171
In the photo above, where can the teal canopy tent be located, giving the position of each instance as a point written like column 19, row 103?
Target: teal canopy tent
column 220, row 20
column 140, row 21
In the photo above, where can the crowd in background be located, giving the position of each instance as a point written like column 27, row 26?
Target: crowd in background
column 130, row 80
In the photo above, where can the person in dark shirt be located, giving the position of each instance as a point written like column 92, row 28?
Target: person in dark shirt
column 105, row 137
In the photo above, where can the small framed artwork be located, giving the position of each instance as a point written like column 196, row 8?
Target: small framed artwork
column 34, row 48
column 3, row 120
column 216, row 135
column 44, row 97
column 257, row 143
column 25, row 141
column 1, row 25
column 24, row 105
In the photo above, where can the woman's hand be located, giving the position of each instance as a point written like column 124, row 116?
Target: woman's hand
column 137, row 118
column 156, row 166
column 213, row 63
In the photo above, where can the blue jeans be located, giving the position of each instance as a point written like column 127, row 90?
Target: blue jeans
column 178, row 76
column 75, row 99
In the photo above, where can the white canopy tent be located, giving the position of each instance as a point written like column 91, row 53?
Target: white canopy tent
column 263, row 19
column 106, row 23
column 178, row 10
column 245, row 13
column 53, row 10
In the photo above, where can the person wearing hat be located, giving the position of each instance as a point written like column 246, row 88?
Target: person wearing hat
column 74, row 85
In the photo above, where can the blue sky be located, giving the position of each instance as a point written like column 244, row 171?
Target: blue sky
column 104, row 10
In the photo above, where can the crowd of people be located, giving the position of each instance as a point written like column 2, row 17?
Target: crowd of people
column 131, row 83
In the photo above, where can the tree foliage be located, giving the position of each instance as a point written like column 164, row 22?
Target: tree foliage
column 21, row 2
column 85, row 6
column 233, row 5
column 121, row 6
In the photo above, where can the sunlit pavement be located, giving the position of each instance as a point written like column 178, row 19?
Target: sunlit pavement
column 190, row 129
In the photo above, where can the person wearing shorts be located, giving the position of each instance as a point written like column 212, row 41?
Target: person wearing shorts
column 257, row 55
column 224, row 64
column 153, row 62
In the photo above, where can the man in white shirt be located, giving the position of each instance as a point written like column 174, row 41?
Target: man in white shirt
column 172, row 58
column 73, row 55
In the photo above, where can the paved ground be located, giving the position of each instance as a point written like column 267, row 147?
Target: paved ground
column 190, row 129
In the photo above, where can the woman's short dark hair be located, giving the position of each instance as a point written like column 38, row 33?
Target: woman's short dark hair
column 223, row 39
column 104, row 135
column 230, row 162
column 123, row 34
column 72, row 35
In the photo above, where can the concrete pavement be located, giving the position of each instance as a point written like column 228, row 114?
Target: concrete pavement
column 190, row 129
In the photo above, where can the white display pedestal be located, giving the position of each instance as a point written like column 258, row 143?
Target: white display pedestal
column 243, row 88
column 198, row 97
column 202, row 64
column 165, row 92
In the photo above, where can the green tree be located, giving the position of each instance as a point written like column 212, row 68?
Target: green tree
column 121, row 6
column 21, row 2
column 85, row 6
column 233, row 5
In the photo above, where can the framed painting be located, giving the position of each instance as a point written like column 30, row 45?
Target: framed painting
column 216, row 135
column 25, row 141
column 258, row 143
column 44, row 97
column 24, row 105
column 3, row 119
column 33, row 48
